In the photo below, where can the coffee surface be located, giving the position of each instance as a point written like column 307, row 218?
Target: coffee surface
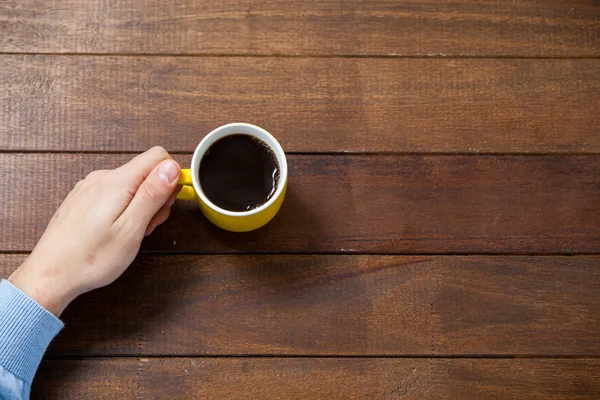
column 239, row 173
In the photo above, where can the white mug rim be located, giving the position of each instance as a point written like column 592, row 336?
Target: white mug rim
column 231, row 129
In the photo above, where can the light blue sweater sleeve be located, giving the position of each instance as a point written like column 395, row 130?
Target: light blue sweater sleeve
column 26, row 329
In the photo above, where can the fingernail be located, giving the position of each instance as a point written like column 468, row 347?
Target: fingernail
column 168, row 171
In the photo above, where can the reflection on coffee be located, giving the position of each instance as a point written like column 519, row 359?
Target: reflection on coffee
column 239, row 173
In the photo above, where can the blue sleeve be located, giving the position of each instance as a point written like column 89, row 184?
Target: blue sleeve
column 26, row 329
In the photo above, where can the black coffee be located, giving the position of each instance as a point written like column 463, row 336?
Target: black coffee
column 239, row 173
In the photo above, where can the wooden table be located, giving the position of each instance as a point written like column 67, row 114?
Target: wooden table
column 441, row 233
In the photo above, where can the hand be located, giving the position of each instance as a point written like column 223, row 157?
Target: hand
column 97, row 231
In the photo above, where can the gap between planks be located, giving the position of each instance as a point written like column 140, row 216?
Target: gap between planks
column 325, row 356
column 325, row 153
column 330, row 56
column 341, row 253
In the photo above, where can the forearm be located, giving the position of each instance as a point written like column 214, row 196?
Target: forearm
column 26, row 330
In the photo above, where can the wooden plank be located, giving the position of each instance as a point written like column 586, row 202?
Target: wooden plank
column 313, row 27
column 317, row 378
column 364, row 204
column 107, row 378
column 311, row 105
column 339, row 305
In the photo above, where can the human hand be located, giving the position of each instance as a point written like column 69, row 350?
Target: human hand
column 97, row 231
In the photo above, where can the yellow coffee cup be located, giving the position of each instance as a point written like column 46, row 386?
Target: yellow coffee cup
column 232, row 220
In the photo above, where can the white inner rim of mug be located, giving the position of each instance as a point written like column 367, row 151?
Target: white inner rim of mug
column 237, row 128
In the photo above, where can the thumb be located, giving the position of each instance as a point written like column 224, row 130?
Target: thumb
column 153, row 193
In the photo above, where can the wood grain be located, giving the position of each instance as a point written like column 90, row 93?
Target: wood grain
column 94, row 378
column 339, row 305
column 310, row 105
column 313, row 27
column 364, row 204
column 316, row 378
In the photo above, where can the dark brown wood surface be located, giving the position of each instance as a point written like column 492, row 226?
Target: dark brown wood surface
column 375, row 204
column 339, row 305
column 313, row 27
column 309, row 104
column 319, row 378
column 441, row 233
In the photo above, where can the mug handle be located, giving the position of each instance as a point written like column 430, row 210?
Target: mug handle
column 187, row 191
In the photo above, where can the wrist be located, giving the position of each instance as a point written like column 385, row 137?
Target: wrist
column 47, row 291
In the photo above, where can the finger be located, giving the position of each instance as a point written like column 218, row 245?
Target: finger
column 160, row 217
column 135, row 171
column 95, row 176
column 91, row 178
column 67, row 199
column 73, row 193
column 171, row 200
column 152, row 194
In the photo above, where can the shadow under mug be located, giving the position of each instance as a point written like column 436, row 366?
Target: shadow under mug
column 231, row 220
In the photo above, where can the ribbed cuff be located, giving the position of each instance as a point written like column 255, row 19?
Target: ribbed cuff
column 26, row 330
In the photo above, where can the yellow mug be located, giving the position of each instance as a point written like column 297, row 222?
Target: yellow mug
column 230, row 220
